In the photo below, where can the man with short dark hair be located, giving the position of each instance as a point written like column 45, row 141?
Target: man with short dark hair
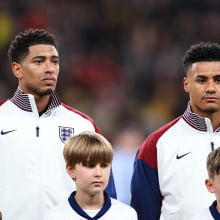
column 170, row 167
column 34, row 125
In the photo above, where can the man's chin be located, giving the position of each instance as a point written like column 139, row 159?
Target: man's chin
column 46, row 92
column 211, row 110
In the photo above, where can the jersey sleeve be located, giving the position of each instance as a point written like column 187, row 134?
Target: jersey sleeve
column 146, row 196
column 145, row 191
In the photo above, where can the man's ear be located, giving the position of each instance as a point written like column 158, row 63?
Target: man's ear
column 71, row 171
column 186, row 84
column 16, row 69
column 210, row 186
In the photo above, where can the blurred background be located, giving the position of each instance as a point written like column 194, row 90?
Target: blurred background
column 121, row 61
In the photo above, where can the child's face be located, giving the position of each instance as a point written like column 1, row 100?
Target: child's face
column 91, row 179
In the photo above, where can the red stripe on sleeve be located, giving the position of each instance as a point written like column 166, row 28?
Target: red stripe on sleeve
column 148, row 150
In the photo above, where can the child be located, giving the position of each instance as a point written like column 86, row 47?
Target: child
column 213, row 186
column 88, row 159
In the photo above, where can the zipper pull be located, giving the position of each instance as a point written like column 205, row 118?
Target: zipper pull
column 37, row 131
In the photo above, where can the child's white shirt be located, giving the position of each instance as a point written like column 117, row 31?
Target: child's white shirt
column 117, row 211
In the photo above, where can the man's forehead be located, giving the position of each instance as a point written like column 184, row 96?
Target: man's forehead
column 204, row 65
column 45, row 48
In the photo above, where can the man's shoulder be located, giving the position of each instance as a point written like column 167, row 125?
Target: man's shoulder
column 3, row 101
column 71, row 109
column 148, row 149
column 81, row 115
column 165, row 127
column 154, row 136
column 5, row 106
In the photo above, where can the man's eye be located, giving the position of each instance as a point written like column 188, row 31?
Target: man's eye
column 55, row 61
column 201, row 80
column 38, row 61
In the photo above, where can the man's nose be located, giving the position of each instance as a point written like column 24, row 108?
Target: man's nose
column 210, row 86
column 49, row 67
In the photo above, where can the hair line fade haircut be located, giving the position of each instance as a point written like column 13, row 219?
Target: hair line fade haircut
column 203, row 51
column 19, row 47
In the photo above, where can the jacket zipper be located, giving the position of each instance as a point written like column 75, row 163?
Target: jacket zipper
column 37, row 131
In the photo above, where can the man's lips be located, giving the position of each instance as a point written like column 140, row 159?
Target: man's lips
column 49, row 80
column 210, row 98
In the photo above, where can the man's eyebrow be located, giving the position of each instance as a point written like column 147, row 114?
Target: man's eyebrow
column 200, row 75
column 43, row 57
column 54, row 56
column 204, row 76
column 216, row 76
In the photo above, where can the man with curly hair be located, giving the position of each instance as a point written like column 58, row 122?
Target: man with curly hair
column 34, row 126
column 170, row 167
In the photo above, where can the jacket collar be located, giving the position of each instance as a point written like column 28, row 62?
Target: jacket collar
column 73, row 203
column 196, row 121
column 23, row 101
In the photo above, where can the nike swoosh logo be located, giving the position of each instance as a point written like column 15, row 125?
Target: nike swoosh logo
column 181, row 156
column 6, row 132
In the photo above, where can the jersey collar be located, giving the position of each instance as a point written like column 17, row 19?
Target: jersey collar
column 22, row 101
column 196, row 121
column 82, row 213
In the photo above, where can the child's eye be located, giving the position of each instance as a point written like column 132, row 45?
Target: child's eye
column 105, row 165
column 90, row 165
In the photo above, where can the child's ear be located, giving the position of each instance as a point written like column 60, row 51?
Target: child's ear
column 210, row 186
column 71, row 171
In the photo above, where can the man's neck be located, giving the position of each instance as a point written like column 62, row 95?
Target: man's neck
column 42, row 102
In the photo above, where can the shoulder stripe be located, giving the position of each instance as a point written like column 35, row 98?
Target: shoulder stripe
column 3, row 101
column 83, row 115
column 148, row 150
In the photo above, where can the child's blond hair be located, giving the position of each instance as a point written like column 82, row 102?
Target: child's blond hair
column 87, row 148
column 213, row 163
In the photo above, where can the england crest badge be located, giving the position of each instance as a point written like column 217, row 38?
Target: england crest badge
column 65, row 132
